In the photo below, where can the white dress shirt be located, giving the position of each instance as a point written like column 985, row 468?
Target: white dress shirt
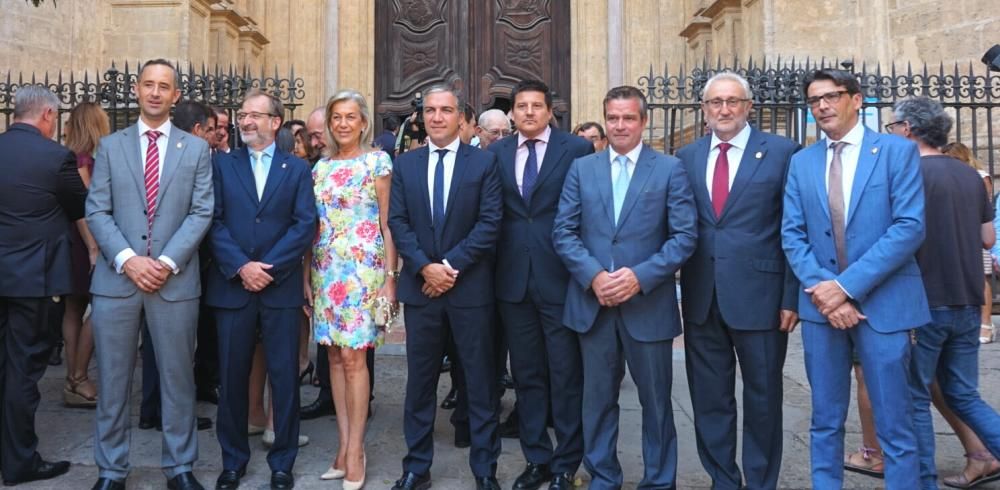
column 735, row 156
column 161, row 145
column 849, row 162
column 449, row 169
column 521, row 156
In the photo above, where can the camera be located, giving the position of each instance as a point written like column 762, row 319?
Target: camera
column 414, row 132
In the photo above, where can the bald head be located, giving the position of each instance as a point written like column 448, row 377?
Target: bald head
column 315, row 130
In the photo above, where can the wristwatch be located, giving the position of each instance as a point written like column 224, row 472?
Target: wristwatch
column 392, row 274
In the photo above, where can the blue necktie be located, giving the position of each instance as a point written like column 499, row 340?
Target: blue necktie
column 438, row 217
column 620, row 185
column 530, row 174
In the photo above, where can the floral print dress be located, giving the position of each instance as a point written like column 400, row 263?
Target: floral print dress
column 348, row 263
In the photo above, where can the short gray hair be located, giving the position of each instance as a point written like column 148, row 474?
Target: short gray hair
column 731, row 76
column 928, row 121
column 494, row 115
column 31, row 100
column 449, row 89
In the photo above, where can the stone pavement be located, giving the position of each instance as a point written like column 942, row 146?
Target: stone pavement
column 68, row 434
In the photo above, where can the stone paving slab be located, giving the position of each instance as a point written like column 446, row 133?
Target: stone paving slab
column 68, row 434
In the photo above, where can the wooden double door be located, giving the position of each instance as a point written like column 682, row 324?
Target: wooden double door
column 482, row 47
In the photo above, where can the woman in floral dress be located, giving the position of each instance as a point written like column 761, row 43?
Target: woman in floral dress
column 353, row 262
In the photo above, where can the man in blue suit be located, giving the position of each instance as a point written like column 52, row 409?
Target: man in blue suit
column 264, row 221
column 625, row 225
column 531, row 288
column 739, row 299
column 854, row 217
column 445, row 214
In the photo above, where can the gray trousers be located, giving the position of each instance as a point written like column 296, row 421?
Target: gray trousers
column 173, row 328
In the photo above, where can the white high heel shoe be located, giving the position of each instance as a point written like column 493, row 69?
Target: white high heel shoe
column 333, row 474
column 357, row 485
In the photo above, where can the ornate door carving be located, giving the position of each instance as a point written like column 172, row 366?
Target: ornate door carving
column 481, row 46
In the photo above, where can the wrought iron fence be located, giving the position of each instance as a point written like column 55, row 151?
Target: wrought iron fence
column 114, row 90
column 972, row 95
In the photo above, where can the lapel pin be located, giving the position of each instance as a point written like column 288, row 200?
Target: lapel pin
column 874, row 151
column 759, row 155
column 179, row 145
column 283, row 165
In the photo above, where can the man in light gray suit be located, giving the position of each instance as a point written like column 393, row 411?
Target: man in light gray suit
column 625, row 225
column 149, row 206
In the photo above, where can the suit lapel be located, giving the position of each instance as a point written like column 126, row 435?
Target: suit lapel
column 554, row 151
column 507, row 157
column 457, row 174
column 176, row 145
column 867, row 159
column 819, row 173
column 602, row 175
column 134, row 160
column 240, row 160
column 700, row 176
column 275, row 175
column 753, row 154
column 421, row 178
column 638, row 181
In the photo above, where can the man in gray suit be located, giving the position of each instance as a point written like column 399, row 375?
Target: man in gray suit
column 625, row 225
column 149, row 206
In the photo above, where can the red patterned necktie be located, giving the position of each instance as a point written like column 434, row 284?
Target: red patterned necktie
column 720, row 180
column 152, row 177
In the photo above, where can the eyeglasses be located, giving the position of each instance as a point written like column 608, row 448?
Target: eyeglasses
column 253, row 115
column 830, row 98
column 719, row 103
column 498, row 133
column 888, row 127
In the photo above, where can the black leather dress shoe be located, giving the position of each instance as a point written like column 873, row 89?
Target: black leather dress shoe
column 230, row 479
column 450, row 401
column 510, row 429
column 533, row 477
column 42, row 471
column 108, row 484
column 184, row 481
column 413, row 481
column 322, row 407
column 563, row 481
column 281, row 480
column 487, row 483
column 203, row 423
column 146, row 424
column 445, row 364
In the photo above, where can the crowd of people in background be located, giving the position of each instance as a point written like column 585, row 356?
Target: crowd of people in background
column 226, row 251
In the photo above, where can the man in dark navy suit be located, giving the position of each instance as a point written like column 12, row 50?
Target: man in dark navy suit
column 739, row 298
column 531, row 289
column 265, row 215
column 40, row 195
column 445, row 214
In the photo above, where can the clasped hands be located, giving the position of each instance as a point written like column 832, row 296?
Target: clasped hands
column 254, row 276
column 148, row 274
column 615, row 288
column 438, row 279
column 831, row 301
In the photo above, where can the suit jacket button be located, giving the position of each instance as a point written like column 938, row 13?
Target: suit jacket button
column 833, row 262
column 827, row 232
column 530, row 221
column 144, row 237
column 257, row 220
column 614, row 242
column 145, row 212
column 252, row 250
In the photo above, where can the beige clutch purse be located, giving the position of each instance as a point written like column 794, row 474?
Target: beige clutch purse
column 382, row 312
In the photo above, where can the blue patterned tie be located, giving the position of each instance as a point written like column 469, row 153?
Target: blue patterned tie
column 438, row 217
column 621, row 184
column 530, row 174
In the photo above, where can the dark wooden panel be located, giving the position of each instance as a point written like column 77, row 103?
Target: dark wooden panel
column 483, row 47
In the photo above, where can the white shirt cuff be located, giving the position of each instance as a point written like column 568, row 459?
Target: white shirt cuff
column 121, row 258
column 170, row 263
column 842, row 288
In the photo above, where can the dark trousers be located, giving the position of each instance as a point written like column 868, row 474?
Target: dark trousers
column 149, row 408
column 323, row 372
column 278, row 329
column 427, row 328
column 712, row 351
column 545, row 362
column 460, row 415
column 27, row 340
column 206, row 356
